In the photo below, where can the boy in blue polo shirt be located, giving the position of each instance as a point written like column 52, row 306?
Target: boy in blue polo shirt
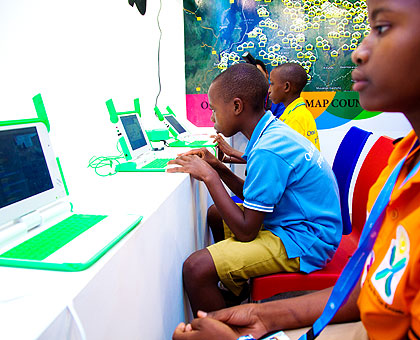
column 291, row 214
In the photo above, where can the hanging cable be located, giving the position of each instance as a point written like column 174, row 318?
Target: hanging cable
column 158, row 56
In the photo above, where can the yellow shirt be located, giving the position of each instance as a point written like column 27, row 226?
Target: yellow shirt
column 300, row 119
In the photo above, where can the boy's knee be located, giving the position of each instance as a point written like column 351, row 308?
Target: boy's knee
column 198, row 265
column 213, row 214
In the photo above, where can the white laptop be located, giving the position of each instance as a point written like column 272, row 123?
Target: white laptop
column 137, row 149
column 181, row 133
column 38, row 228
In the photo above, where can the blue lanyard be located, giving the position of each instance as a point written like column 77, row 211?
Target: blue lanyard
column 351, row 272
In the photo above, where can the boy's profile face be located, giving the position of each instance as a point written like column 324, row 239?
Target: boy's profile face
column 277, row 85
column 388, row 67
column 222, row 113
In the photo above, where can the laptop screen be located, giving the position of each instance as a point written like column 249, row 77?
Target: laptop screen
column 23, row 168
column 175, row 124
column 29, row 175
column 133, row 131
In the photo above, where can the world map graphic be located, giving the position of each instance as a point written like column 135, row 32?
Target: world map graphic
column 320, row 35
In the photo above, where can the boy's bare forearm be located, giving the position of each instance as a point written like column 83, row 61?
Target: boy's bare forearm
column 303, row 311
column 232, row 181
column 237, row 154
column 238, row 160
column 245, row 230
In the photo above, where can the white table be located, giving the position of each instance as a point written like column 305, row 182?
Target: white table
column 135, row 291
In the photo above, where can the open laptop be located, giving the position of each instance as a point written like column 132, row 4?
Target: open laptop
column 38, row 228
column 179, row 130
column 136, row 147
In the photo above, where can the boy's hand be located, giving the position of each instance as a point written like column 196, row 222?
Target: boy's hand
column 229, row 323
column 243, row 319
column 204, row 329
column 223, row 145
column 194, row 165
column 204, row 154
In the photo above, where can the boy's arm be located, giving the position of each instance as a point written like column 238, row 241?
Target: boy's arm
column 232, row 181
column 244, row 224
column 304, row 310
column 293, row 313
column 231, row 155
column 233, row 159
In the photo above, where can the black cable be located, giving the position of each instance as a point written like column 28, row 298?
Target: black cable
column 160, row 37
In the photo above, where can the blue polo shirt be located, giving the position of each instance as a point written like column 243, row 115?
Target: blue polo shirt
column 289, row 180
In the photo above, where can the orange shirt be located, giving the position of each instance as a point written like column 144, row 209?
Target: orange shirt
column 389, row 300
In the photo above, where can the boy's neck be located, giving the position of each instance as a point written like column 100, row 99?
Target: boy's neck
column 291, row 99
column 250, row 123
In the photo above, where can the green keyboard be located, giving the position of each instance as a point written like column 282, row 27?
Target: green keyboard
column 198, row 143
column 47, row 242
column 193, row 144
column 159, row 163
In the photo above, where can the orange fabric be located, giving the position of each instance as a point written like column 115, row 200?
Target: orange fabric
column 389, row 300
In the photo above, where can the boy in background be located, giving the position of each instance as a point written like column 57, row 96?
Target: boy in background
column 276, row 109
column 286, row 84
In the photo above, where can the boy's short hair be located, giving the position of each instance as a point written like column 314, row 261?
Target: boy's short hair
column 243, row 81
column 295, row 74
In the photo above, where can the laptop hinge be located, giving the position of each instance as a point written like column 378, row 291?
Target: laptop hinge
column 55, row 210
column 25, row 223
column 31, row 220
column 19, row 227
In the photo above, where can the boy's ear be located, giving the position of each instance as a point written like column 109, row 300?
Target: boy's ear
column 287, row 87
column 238, row 105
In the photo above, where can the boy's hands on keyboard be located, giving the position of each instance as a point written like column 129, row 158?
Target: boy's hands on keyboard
column 205, row 155
column 195, row 163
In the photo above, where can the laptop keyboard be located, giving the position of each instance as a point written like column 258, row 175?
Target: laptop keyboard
column 199, row 143
column 159, row 163
column 47, row 242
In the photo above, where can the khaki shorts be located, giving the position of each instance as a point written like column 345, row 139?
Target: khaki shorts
column 237, row 261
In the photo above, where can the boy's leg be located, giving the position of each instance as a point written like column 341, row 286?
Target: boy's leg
column 200, row 282
column 236, row 261
column 215, row 223
column 219, row 228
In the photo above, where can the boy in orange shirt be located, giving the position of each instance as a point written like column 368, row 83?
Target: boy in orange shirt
column 387, row 297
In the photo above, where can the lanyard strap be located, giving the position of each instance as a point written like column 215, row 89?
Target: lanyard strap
column 351, row 272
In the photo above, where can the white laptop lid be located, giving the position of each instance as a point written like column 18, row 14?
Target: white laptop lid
column 32, row 194
column 182, row 131
column 175, row 124
column 29, row 174
column 130, row 127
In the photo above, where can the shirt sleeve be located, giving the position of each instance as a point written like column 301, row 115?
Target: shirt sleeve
column 267, row 177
